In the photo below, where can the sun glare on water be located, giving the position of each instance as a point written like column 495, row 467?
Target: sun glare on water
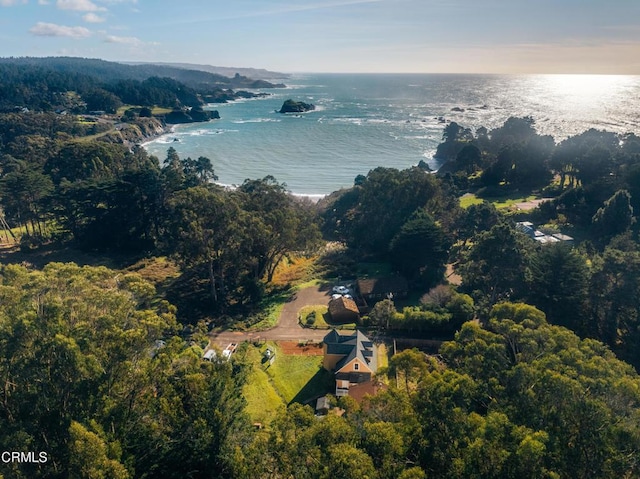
column 585, row 89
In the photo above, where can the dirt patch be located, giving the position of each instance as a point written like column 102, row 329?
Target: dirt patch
column 531, row 204
column 297, row 349
column 453, row 277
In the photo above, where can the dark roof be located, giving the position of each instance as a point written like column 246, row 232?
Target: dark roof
column 355, row 345
column 341, row 305
column 385, row 285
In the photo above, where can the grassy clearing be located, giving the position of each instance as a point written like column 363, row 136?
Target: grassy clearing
column 469, row 199
column 299, row 378
column 270, row 310
column 501, row 202
column 156, row 110
column 291, row 378
column 156, row 270
column 295, row 271
column 263, row 401
column 270, row 319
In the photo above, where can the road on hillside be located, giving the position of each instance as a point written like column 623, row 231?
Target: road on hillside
column 287, row 328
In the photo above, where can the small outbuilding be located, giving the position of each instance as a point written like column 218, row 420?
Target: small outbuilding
column 322, row 405
column 344, row 310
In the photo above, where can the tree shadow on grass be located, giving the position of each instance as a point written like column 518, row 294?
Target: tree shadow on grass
column 320, row 384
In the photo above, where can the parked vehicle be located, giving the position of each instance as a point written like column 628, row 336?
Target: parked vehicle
column 341, row 290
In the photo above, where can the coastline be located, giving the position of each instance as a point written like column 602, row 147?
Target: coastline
column 167, row 130
column 313, row 197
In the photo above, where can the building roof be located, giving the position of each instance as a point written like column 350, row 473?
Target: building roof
column 525, row 227
column 342, row 305
column 562, row 237
column 385, row 285
column 352, row 346
column 360, row 390
column 323, row 403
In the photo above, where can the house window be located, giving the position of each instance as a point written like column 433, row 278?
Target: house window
column 356, row 367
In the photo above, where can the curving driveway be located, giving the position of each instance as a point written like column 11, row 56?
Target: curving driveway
column 287, row 328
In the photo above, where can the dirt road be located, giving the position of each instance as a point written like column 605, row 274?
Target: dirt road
column 287, row 328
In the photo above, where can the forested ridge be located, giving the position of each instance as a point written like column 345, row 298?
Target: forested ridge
column 81, row 85
column 537, row 376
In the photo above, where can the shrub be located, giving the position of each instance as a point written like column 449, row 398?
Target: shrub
column 311, row 318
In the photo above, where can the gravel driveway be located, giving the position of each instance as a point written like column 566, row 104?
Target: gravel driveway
column 287, row 328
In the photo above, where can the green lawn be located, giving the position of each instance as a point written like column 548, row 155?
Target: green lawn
column 291, row 378
column 298, row 378
column 469, row 199
column 262, row 398
column 501, row 202
column 321, row 311
column 323, row 319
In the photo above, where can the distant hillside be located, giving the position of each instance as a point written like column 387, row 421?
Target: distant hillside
column 108, row 72
column 82, row 84
column 257, row 73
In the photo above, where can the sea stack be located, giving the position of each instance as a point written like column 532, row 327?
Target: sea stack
column 290, row 106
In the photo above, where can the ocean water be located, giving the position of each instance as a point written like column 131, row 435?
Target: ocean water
column 369, row 120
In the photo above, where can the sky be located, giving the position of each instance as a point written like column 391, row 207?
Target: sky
column 430, row 36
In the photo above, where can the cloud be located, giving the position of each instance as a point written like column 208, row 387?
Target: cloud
column 93, row 18
column 42, row 29
column 79, row 6
column 9, row 3
column 124, row 40
column 43, row 2
column 131, row 41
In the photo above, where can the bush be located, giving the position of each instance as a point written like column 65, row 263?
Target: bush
column 311, row 318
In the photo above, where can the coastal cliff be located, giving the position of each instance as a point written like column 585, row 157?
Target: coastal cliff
column 135, row 132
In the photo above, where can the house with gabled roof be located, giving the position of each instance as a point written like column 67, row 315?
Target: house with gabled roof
column 352, row 358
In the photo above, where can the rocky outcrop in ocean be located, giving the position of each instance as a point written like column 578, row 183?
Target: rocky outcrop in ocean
column 291, row 106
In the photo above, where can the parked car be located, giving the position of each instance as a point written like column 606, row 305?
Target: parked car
column 341, row 290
